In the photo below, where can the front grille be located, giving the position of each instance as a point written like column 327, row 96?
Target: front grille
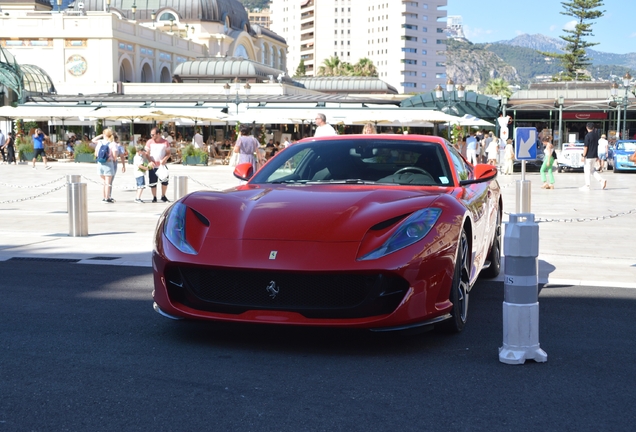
column 314, row 295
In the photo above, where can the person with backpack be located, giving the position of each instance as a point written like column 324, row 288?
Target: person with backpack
column 106, row 154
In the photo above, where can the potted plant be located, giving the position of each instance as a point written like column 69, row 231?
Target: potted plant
column 25, row 148
column 84, row 153
column 193, row 156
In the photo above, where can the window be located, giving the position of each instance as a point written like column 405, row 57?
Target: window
column 408, row 84
column 409, row 38
column 409, row 26
column 424, row 41
column 410, row 15
column 423, row 74
column 440, row 41
column 440, row 30
column 409, row 61
column 409, row 50
column 424, row 18
column 423, row 85
column 409, row 73
column 440, row 64
column 440, row 75
column 424, row 52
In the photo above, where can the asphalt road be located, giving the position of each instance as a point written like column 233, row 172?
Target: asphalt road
column 82, row 350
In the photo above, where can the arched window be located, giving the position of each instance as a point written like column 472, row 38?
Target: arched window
column 241, row 51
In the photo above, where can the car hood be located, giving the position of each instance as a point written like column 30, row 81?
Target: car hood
column 306, row 213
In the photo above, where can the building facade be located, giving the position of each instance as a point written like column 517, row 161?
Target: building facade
column 405, row 41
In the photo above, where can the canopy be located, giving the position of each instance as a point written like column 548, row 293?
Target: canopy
column 35, row 112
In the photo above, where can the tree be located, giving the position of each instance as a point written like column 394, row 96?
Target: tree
column 498, row 87
column 574, row 59
column 365, row 67
column 301, row 71
column 330, row 67
column 333, row 66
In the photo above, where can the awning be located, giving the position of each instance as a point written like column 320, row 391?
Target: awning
column 478, row 105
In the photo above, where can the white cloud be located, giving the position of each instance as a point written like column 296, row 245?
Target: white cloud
column 554, row 28
column 476, row 33
column 519, row 32
column 570, row 25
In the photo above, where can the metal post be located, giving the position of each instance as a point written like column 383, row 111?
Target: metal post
column 560, row 144
column 521, row 292
column 78, row 210
column 626, row 135
column 71, row 178
column 618, row 123
column 180, row 186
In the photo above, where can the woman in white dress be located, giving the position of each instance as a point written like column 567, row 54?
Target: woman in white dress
column 246, row 145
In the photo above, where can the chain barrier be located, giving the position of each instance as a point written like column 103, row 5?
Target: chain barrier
column 112, row 187
column 34, row 196
column 31, row 186
column 583, row 219
column 202, row 184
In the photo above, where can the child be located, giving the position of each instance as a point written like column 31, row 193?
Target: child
column 509, row 157
column 140, row 161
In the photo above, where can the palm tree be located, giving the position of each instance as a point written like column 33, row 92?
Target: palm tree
column 365, row 67
column 498, row 87
column 330, row 67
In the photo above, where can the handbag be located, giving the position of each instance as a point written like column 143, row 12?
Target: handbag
column 162, row 173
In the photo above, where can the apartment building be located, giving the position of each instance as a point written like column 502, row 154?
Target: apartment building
column 406, row 40
column 260, row 17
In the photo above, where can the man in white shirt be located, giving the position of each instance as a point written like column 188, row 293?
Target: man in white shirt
column 603, row 145
column 158, row 153
column 197, row 140
column 323, row 128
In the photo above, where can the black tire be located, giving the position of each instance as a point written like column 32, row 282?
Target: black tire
column 494, row 255
column 459, row 288
column 559, row 169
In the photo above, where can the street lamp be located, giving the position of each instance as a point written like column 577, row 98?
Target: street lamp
column 59, row 6
column 451, row 97
column 237, row 100
column 621, row 101
column 107, row 6
column 560, row 101
column 153, row 16
column 171, row 23
column 133, row 8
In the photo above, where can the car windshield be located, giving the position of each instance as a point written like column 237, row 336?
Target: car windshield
column 629, row 146
column 359, row 161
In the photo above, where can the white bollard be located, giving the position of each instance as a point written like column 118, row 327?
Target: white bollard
column 180, row 186
column 521, row 292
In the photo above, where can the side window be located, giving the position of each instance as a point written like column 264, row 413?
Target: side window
column 463, row 171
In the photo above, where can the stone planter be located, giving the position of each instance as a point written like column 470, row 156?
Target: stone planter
column 27, row 156
column 85, row 157
column 195, row 160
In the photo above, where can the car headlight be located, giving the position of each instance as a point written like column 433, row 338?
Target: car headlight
column 175, row 228
column 412, row 230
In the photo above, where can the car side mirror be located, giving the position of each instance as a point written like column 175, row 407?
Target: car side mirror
column 244, row 171
column 482, row 173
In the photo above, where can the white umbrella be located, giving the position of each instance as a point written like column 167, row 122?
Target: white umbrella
column 470, row 120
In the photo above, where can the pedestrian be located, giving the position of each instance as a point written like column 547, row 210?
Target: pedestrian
column 9, row 147
column 38, row 147
column 322, row 127
column 590, row 155
column 548, row 161
column 197, row 139
column 246, row 145
column 3, row 139
column 158, row 150
column 509, row 158
column 121, row 155
column 471, row 148
column 603, row 146
column 369, row 129
column 106, row 168
column 142, row 165
column 492, row 151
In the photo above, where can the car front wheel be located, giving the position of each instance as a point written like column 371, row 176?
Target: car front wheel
column 460, row 287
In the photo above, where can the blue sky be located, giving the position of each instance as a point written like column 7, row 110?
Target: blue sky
column 488, row 21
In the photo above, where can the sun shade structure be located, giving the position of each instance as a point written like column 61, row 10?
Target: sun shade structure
column 23, row 80
column 480, row 106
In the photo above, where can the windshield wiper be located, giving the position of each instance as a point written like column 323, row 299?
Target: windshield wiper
column 288, row 181
column 343, row 181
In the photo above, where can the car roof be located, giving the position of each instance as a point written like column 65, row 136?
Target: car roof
column 386, row 137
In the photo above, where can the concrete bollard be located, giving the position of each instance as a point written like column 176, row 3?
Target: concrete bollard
column 78, row 210
column 521, row 292
column 180, row 186
column 523, row 200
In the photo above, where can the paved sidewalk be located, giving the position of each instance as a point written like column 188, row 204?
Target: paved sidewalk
column 585, row 237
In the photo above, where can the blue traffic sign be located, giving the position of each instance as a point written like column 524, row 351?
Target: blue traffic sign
column 526, row 143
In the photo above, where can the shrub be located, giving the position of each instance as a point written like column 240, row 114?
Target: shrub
column 82, row 147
